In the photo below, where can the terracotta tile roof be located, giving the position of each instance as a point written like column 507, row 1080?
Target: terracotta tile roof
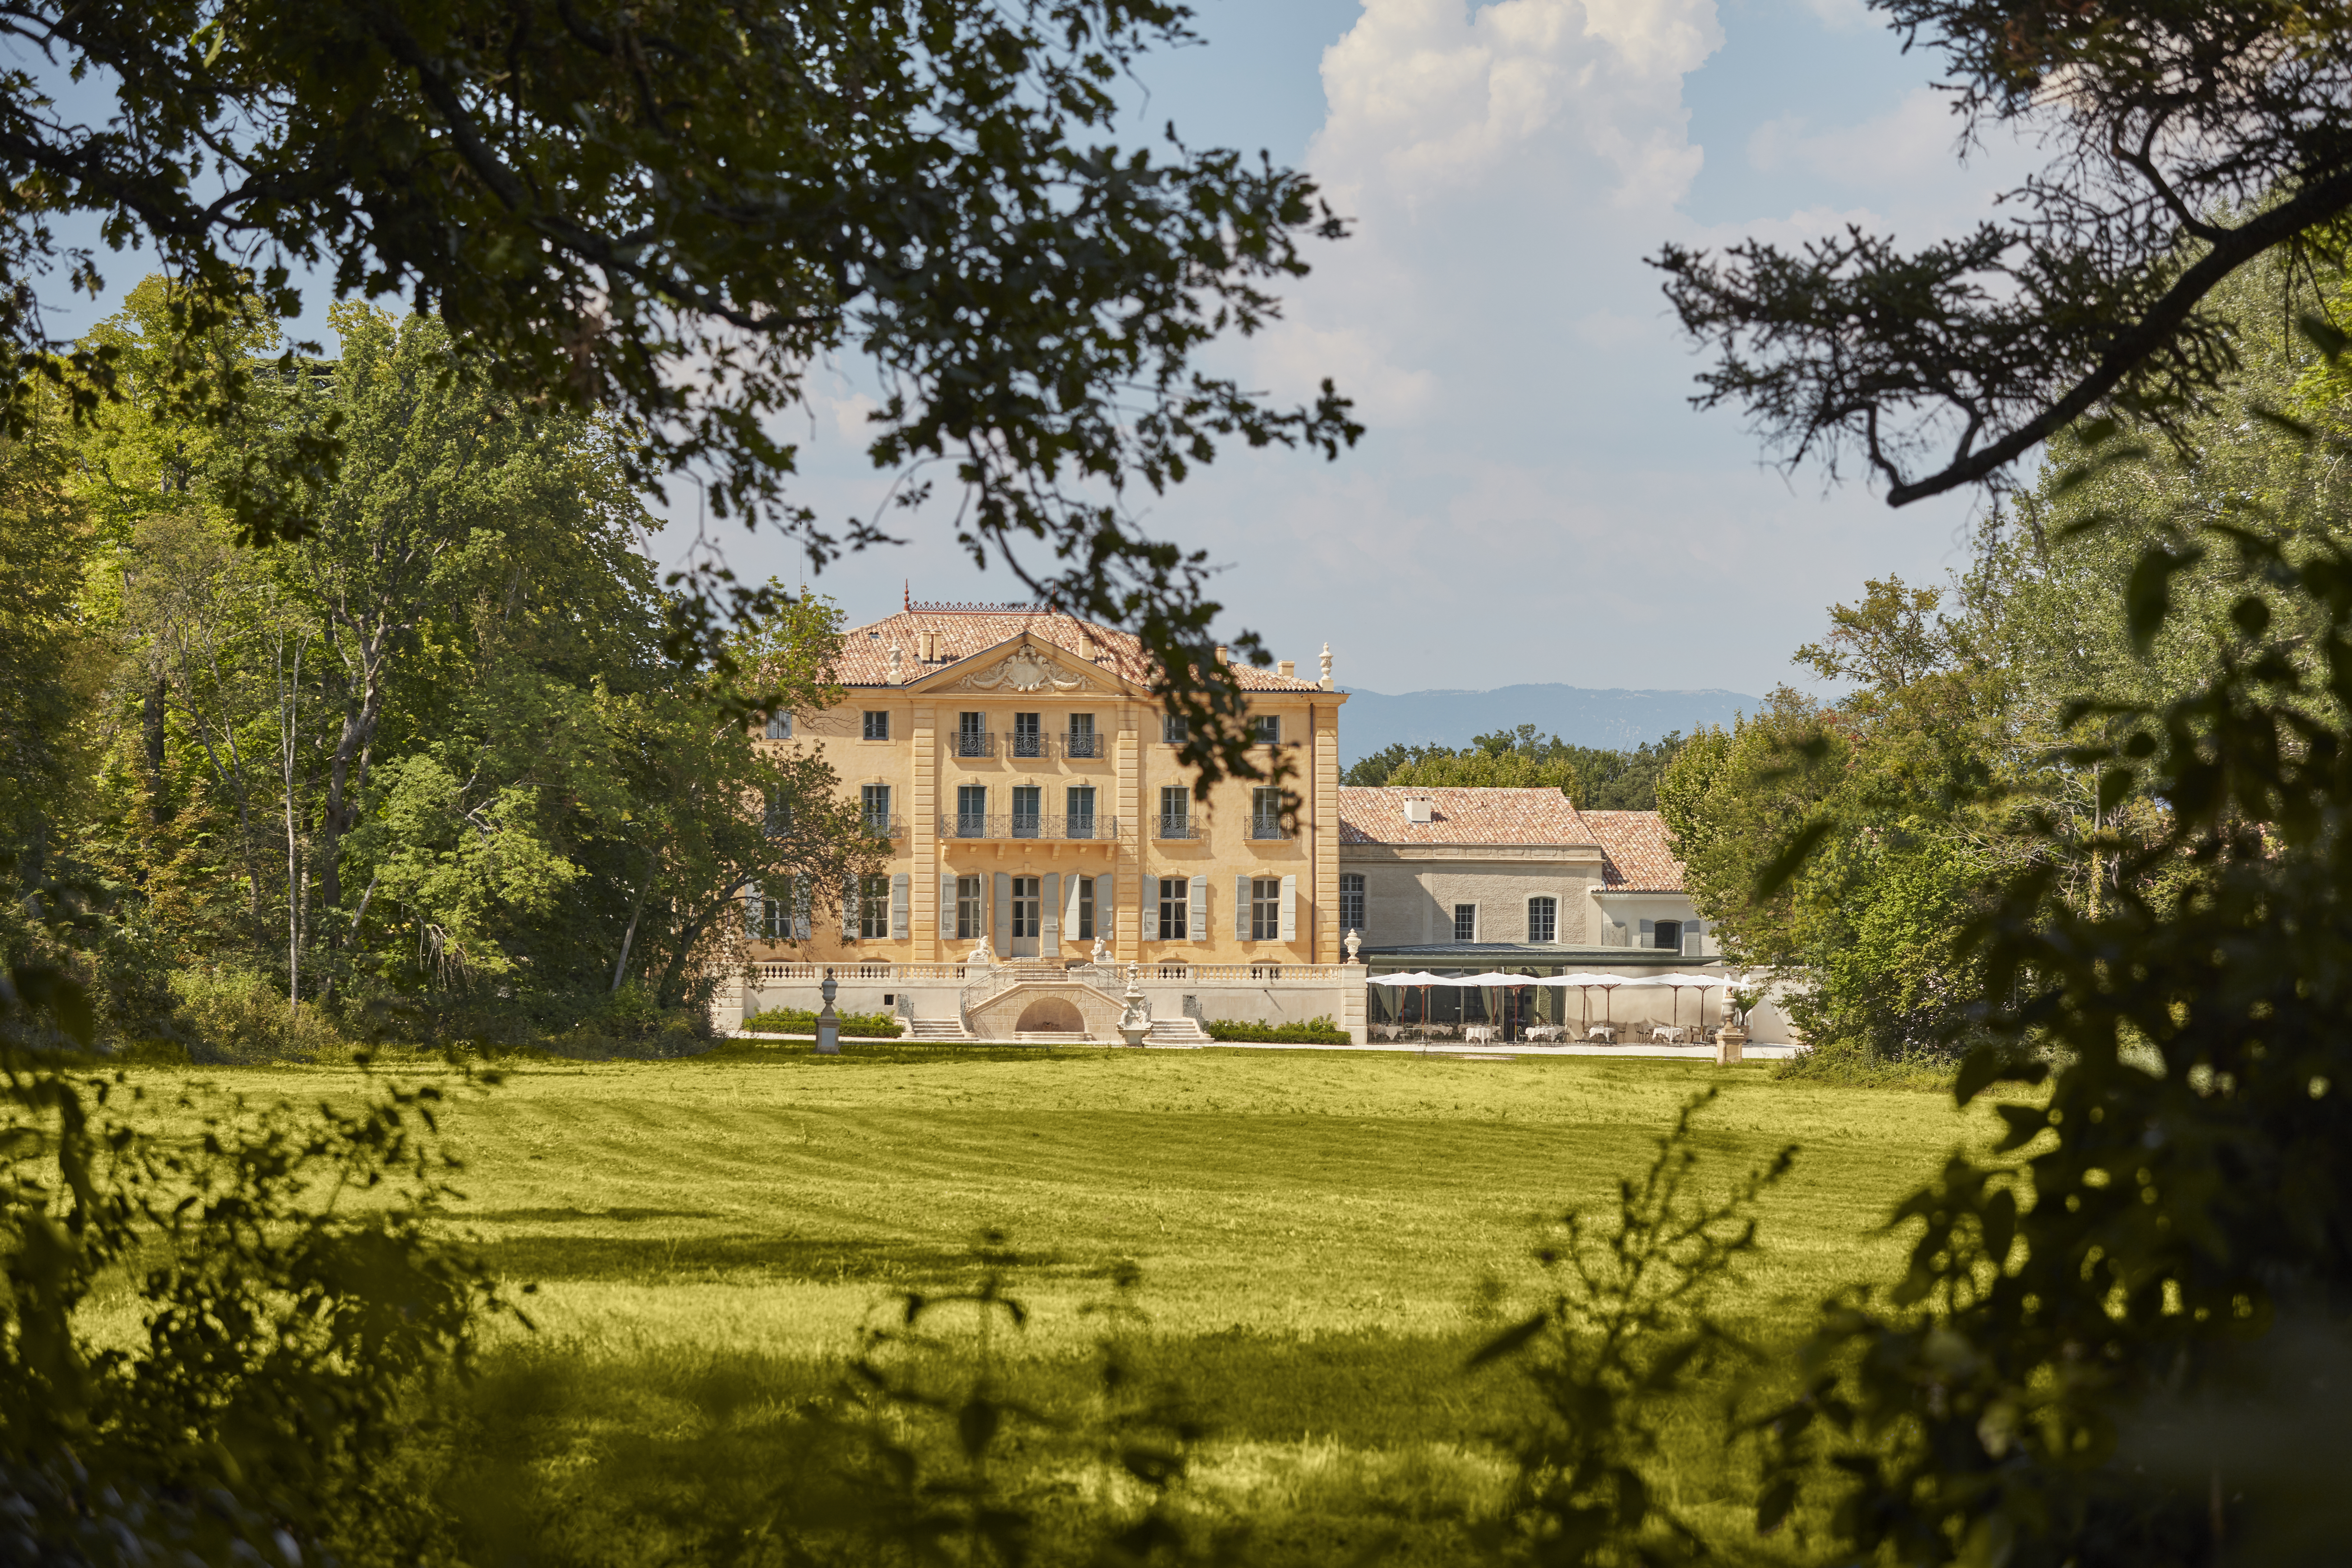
column 1634, row 857
column 961, row 634
column 1462, row 816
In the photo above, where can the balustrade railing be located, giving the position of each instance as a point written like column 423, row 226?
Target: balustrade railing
column 1110, row 978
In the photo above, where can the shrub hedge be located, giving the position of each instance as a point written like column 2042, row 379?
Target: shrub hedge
column 797, row 1021
column 1314, row 1032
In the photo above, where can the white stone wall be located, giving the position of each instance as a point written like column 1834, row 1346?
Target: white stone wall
column 1628, row 910
column 1407, row 902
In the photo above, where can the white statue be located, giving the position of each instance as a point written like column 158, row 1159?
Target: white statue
column 1135, row 1018
column 1101, row 952
column 982, row 955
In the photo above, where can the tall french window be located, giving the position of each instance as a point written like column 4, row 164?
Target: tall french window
column 1266, row 908
column 1351, row 901
column 1175, row 907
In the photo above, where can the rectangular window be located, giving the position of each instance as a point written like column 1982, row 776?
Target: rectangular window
column 1086, row 932
column 972, row 811
column 1028, row 736
column 779, row 726
column 778, row 815
column 1351, row 901
column 971, row 914
column 877, row 726
column 971, row 735
column 1669, row 936
column 1465, row 923
column 1079, row 800
column 1175, row 908
column 1173, row 730
column 874, row 908
column 771, row 918
column 1026, row 810
column 1266, row 908
column 1027, row 902
column 1267, row 728
column 1175, row 812
column 875, row 800
column 1543, row 920
column 1082, row 735
column 1265, row 813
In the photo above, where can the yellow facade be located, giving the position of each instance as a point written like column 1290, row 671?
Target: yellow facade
column 975, row 744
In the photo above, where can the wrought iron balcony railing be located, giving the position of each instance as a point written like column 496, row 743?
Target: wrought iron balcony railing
column 1086, row 746
column 1178, row 827
column 886, row 827
column 974, row 744
column 1026, row 824
column 1268, row 827
column 1018, row 744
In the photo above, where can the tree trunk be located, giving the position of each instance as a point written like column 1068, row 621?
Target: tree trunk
column 636, row 912
column 159, row 809
column 347, row 769
column 691, row 934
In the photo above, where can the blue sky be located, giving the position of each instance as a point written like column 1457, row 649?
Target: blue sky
column 1535, row 501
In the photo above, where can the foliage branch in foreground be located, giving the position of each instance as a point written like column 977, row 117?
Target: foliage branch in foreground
column 2102, row 1349
column 2192, row 138
column 672, row 214
column 292, row 1312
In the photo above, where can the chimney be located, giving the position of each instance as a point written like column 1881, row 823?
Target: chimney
column 1224, row 654
column 1417, row 809
column 1287, row 667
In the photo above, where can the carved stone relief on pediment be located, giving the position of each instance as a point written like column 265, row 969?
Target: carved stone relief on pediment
column 1025, row 669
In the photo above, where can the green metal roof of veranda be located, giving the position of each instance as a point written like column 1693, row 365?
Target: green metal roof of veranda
column 1515, row 956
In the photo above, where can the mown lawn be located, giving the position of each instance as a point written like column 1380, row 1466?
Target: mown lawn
column 1321, row 1240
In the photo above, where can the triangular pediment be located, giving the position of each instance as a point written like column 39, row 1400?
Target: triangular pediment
column 1025, row 665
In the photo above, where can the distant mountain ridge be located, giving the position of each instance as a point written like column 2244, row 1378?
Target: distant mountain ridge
column 1580, row 715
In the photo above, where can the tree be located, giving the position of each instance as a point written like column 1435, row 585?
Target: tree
column 669, row 216
column 2194, row 138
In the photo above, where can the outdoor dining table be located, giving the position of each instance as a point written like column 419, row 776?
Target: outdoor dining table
column 1482, row 1034
column 1600, row 1034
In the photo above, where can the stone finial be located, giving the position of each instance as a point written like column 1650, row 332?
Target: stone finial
column 1355, row 944
column 897, row 655
column 1327, row 667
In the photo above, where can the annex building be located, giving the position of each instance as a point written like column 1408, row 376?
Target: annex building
column 1039, row 819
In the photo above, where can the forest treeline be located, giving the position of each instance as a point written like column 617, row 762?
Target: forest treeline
column 443, row 761
column 1596, row 778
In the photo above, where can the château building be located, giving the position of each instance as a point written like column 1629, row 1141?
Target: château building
column 1031, row 791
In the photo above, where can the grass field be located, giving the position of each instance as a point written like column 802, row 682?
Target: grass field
column 1321, row 1240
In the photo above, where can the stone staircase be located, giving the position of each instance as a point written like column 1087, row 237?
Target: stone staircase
column 936, row 1029
column 1184, row 1031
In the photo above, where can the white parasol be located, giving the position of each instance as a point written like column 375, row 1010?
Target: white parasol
column 1584, row 982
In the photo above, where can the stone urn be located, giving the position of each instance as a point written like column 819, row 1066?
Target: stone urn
column 1134, row 1016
